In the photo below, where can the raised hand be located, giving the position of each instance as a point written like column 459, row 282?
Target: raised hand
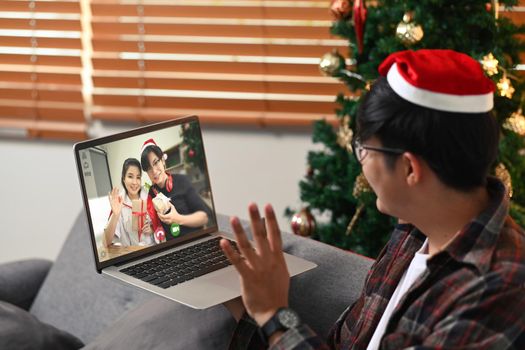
column 265, row 280
column 116, row 201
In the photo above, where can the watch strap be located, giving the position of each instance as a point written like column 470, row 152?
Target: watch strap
column 273, row 325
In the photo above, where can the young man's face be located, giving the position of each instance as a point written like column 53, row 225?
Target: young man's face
column 156, row 172
column 387, row 183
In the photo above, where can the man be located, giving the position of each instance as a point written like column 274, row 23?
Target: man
column 452, row 275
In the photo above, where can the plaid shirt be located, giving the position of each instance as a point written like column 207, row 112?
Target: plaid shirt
column 471, row 296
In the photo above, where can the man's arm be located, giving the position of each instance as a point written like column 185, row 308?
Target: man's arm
column 265, row 280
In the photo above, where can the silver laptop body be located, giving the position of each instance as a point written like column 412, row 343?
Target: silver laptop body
column 98, row 163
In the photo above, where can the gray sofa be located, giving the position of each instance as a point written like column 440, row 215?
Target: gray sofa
column 70, row 296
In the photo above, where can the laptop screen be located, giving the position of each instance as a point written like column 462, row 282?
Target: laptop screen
column 145, row 189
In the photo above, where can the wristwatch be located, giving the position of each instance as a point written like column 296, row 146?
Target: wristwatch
column 282, row 320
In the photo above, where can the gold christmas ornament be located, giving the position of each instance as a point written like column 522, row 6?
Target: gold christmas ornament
column 331, row 63
column 516, row 123
column 503, row 174
column 408, row 31
column 361, row 186
column 345, row 134
column 505, row 87
column 490, row 64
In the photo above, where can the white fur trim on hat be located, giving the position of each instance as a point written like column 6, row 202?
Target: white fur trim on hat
column 437, row 100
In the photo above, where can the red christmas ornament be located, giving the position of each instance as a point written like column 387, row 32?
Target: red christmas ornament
column 309, row 172
column 303, row 223
column 359, row 22
column 488, row 7
column 191, row 153
column 340, row 8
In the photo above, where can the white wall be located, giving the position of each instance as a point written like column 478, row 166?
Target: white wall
column 41, row 197
column 121, row 150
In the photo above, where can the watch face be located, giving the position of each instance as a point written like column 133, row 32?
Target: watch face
column 288, row 318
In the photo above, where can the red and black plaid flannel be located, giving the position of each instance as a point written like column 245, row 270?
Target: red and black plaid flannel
column 472, row 295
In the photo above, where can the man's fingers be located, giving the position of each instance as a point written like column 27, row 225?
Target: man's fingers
column 163, row 217
column 274, row 234
column 172, row 207
column 242, row 242
column 234, row 257
column 258, row 229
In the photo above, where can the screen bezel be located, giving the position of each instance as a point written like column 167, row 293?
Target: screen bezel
column 147, row 250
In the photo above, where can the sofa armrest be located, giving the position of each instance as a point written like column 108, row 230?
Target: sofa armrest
column 21, row 280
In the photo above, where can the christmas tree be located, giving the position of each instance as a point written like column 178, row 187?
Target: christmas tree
column 334, row 190
column 192, row 145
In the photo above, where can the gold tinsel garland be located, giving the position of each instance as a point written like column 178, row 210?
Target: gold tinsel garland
column 361, row 186
column 345, row 134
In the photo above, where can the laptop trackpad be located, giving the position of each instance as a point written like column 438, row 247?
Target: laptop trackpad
column 208, row 290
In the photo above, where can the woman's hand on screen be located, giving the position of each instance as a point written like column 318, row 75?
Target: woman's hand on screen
column 116, row 201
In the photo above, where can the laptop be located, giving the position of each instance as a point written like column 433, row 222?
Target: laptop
column 140, row 247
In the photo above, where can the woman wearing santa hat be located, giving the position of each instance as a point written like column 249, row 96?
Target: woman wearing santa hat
column 185, row 211
column 119, row 227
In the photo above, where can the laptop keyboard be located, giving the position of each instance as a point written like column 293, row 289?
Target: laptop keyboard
column 182, row 265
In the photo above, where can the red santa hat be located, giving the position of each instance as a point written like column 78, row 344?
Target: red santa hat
column 445, row 80
column 151, row 142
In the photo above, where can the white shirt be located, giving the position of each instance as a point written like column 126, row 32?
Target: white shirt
column 124, row 234
column 417, row 266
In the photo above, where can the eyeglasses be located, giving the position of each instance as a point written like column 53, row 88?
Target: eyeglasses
column 156, row 164
column 360, row 151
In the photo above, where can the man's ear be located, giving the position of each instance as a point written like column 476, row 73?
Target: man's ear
column 412, row 167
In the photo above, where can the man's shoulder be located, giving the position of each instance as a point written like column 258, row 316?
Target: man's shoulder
column 509, row 255
column 179, row 177
column 181, row 180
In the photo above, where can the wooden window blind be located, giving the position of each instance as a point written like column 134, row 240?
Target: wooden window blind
column 64, row 63
column 40, row 69
column 229, row 61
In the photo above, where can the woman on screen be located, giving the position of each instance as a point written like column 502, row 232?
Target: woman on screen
column 122, row 229
column 174, row 206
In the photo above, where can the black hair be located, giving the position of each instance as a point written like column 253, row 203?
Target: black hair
column 459, row 147
column 144, row 156
column 125, row 166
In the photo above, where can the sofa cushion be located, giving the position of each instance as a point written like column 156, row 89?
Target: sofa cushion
column 75, row 298
column 21, row 280
column 163, row 324
column 21, row 330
